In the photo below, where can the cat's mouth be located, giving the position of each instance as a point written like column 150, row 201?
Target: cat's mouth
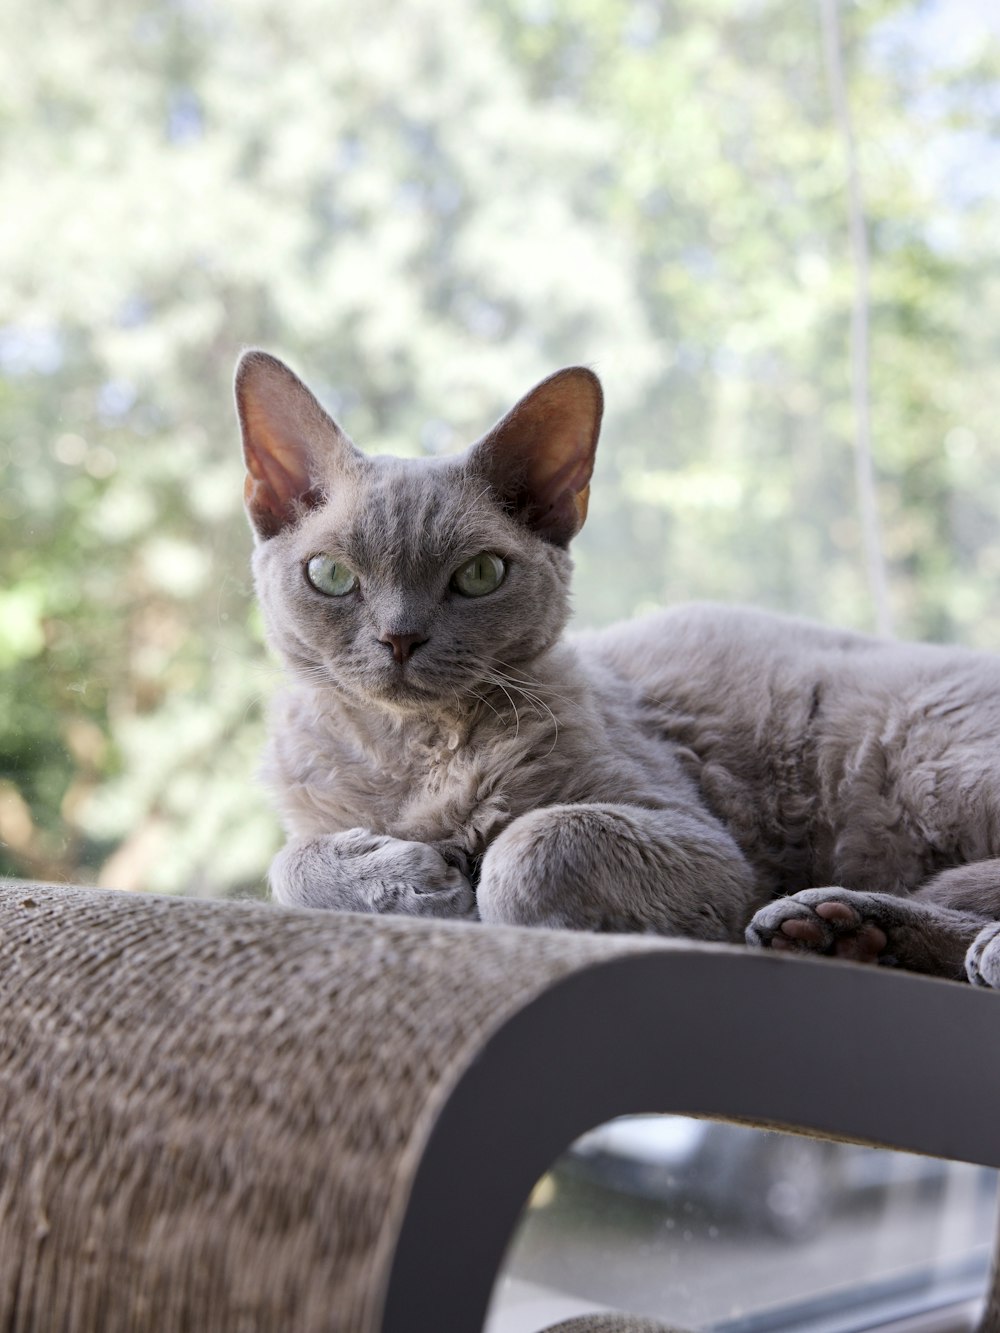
column 391, row 684
column 401, row 685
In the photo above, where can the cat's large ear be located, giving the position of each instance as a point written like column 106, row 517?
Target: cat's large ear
column 289, row 443
column 539, row 457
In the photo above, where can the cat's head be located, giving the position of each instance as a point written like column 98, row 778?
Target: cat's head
column 411, row 583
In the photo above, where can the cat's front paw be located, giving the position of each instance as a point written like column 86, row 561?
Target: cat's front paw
column 982, row 962
column 360, row 871
column 831, row 921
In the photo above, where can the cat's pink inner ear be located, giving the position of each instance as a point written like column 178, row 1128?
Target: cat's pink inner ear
column 282, row 426
column 540, row 456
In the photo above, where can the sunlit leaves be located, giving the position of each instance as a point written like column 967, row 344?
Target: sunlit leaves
column 427, row 205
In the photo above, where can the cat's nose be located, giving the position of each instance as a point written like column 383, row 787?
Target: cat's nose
column 403, row 645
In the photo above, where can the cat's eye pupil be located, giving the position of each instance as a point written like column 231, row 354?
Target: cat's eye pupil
column 330, row 577
column 482, row 574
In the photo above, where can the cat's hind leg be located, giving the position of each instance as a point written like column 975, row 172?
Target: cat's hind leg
column 982, row 962
column 894, row 930
column 973, row 888
column 968, row 888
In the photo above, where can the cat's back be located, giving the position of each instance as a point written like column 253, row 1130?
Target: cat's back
column 706, row 652
column 709, row 652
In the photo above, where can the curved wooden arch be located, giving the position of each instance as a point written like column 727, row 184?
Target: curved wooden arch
column 835, row 1049
column 247, row 1118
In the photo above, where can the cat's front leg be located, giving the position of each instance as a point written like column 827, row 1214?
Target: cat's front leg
column 360, row 871
column 881, row 928
column 618, row 868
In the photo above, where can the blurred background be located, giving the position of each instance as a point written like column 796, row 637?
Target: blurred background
column 426, row 206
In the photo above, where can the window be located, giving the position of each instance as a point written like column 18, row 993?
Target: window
column 426, row 206
column 426, row 211
column 714, row 1226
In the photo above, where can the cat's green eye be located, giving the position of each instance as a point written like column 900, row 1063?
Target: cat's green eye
column 480, row 575
column 330, row 577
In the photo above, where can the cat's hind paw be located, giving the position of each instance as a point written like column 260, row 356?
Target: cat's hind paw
column 982, row 962
column 825, row 921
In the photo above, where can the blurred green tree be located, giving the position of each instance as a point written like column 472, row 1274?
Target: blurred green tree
column 426, row 206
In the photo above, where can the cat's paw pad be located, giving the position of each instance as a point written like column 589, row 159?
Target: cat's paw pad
column 982, row 962
column 826, row 921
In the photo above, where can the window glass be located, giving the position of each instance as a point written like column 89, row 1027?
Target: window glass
column 427, row 205
column 770, row 226
column 707, row 1225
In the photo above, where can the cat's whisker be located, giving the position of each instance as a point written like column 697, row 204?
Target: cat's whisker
column 511, row 673
column 504, row 682
column 318, row 675
column 540, row 708
column 530, row 690
column 482, row 699
column 571, row 704
column 536, row 690
column 534, row 701
column 501, row 686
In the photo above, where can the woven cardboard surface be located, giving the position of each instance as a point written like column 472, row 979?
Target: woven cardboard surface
column 210, row 1112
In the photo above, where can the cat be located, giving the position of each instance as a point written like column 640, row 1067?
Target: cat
column 443, row 749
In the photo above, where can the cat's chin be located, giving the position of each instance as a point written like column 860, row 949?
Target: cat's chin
column 403, row 693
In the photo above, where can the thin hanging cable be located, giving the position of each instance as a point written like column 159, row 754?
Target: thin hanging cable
column 864, row 467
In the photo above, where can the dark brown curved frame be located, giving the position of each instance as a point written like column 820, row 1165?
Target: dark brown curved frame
column 830, row 1048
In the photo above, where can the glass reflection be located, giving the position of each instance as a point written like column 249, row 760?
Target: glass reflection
column 708, row 1225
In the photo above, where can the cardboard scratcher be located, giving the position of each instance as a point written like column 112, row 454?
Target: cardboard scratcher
column 233, row 1117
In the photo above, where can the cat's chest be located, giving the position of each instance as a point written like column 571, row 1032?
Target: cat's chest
column 429, row 786
column 431, row 789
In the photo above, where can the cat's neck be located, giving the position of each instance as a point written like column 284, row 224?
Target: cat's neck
column 550, row 685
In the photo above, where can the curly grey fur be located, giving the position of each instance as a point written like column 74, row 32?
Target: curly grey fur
column 674, row 774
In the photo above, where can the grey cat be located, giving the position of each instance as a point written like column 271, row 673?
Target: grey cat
column 443, row 749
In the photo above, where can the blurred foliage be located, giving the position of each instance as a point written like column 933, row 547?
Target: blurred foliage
column 427, row 205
